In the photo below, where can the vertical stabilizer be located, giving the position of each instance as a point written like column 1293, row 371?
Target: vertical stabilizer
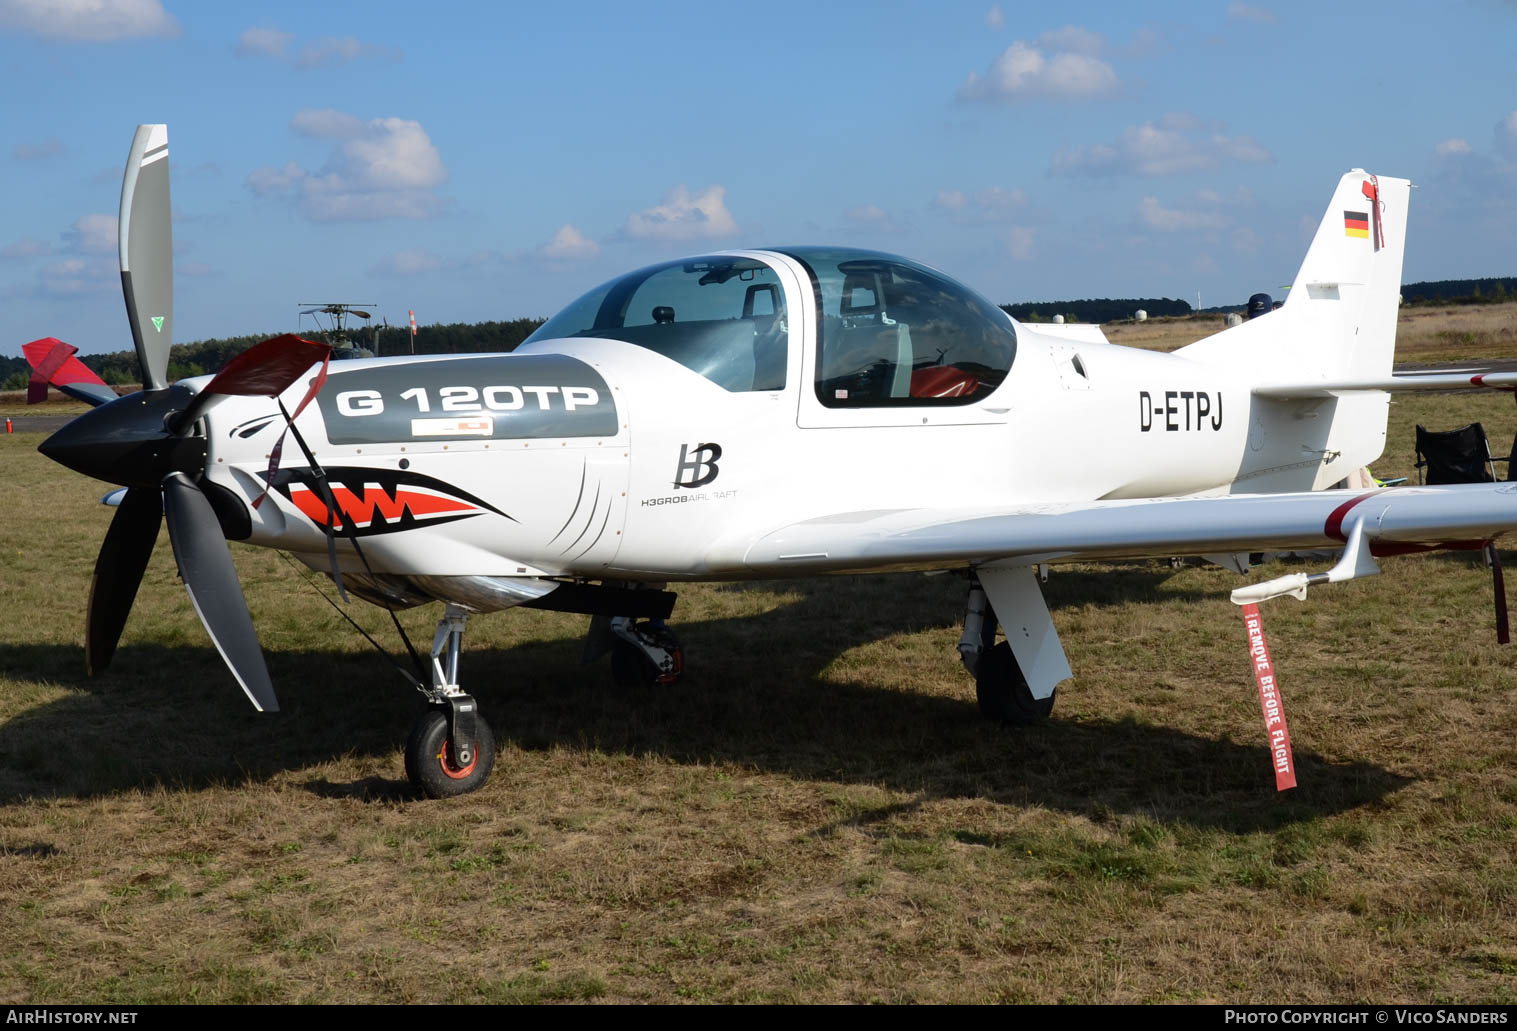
column 146, row 248
column 1337, row 325
column 1349, row 286
column 1338, row 322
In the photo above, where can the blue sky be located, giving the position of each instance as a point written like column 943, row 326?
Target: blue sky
column 490, row 161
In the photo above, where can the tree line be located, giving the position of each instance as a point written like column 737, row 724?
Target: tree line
column 201, row 357
column 1491, row 290
column 1102, row 309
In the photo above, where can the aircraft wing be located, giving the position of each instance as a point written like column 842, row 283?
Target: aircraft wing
column 1395, row 519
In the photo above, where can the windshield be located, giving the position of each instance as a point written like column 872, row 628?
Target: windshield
column 720, row 316
column 895, row 333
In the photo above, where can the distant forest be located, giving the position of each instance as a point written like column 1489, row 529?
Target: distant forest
column 1104, row 309
column 208, row 356
column 1497, row 290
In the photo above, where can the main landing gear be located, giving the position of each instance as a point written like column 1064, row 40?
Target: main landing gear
column 999, row 685
column 645, row 654
column 450, row 750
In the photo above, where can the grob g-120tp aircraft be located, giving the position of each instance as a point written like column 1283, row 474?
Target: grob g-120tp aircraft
column 656, row 429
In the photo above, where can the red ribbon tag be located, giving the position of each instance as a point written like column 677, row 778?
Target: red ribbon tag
column 1270, row 702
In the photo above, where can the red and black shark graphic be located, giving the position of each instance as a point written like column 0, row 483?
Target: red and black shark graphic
column 380, row 500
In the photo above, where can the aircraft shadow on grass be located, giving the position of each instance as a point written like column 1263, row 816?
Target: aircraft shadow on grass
column 754, row 696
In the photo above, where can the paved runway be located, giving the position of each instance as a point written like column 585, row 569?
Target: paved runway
column 38, row 423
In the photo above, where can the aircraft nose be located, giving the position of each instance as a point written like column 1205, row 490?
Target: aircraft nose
column 129, row 441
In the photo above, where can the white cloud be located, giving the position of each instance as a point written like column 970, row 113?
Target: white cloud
column 48, row 148
column 1169, row 220
column 406, row 263
column 263, row 41
column 867, row 213
column 1506, row 134
column 1020, row 240
column 1453, row 146
column 326, row 123
column 330, row 50
column 26, row 247
column 264, row 181
column 1073, row 39
column 92, row 234
column 992, row 204
column 74, row 276
column 1024, row 71
column 1150, row 149
column 383, row 168
column 268, row 41
column 997, row 199
column 1248, row 12
column 684, row 216
column 994, row 19
column 88, row 21
column 569, row 243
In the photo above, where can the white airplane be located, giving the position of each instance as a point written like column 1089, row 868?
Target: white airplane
column 757, row 414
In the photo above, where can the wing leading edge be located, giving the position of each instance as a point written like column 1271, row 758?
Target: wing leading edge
column 1396, row 519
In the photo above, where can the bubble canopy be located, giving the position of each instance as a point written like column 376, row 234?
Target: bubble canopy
column 890, row 331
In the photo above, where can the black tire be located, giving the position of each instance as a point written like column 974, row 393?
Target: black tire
column 428, row 766
column 630, row 668
column 1003, row 692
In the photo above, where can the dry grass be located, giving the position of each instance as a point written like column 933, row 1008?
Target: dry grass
column 817, row 815
column 1423, row 335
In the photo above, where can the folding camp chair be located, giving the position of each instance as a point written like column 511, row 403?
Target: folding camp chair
column 1456, row 456
column 1464, row 456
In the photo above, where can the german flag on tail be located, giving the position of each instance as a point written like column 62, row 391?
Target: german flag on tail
column 1356, row 223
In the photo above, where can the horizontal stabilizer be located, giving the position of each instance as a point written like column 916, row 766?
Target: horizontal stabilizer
column 1393, row 384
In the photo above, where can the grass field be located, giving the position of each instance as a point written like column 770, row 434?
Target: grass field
column 817, row 814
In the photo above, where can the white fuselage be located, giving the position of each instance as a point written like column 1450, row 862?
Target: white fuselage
column 649, row 497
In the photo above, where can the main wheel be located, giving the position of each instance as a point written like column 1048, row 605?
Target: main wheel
column 430, row 768
column 1003, row 692
column 631, row 668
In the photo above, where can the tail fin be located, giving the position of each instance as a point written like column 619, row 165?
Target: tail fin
column 1339, row 320
column 1337, row 325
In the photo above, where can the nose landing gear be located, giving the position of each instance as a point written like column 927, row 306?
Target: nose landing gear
column 450, row 750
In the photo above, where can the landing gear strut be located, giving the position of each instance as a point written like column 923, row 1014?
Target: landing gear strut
column 450, row 750
column 999, row 685
column 645, row 654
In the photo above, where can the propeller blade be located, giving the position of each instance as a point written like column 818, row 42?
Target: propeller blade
column 146, row 247
column 266, row 369
column 118, row 571
column 205, row 563
column 360, row 314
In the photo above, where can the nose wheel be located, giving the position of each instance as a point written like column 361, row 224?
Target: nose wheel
column 434, row 766
column 450, row 750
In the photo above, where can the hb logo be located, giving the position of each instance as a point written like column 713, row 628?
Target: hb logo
column 697, row 467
